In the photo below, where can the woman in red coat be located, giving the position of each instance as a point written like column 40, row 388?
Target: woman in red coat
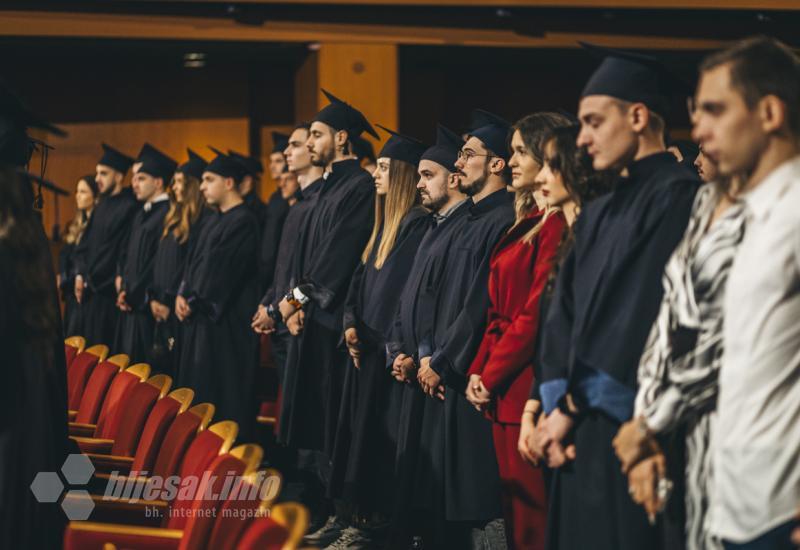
column 502, row 372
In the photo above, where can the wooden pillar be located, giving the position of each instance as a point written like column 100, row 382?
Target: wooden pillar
column 363, row 75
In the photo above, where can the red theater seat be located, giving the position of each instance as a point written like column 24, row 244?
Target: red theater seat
column 73, row 346
column 79, row 371
column 96, row 388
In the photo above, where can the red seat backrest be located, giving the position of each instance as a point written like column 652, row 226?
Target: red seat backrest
column 198, row 524
column 140, row 402
column 235, row 514
column 263, row 534
column 95, row 392
column 70, row 352
column 176, row 441
column 77, row 376
column 115, row 403
column 198, row 458
column 158, row 422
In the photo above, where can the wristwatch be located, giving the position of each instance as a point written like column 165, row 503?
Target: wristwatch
column 296, row 298
column 274, row 314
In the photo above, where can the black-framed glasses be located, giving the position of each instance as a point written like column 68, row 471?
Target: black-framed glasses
column 466, row 155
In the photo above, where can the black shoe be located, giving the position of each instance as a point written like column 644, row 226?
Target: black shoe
column 353, row 538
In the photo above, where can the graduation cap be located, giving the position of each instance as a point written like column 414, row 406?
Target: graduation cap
column 632, row 77
column 492, row 130
column 341, row 116
column 280, row 142
column 115, row 159
column 400, row 147
column 194, row 167
column 156, row 163
column 226, row 166
column 445, row 152
column 252, row 166
column 362, row 148
column 15, row 119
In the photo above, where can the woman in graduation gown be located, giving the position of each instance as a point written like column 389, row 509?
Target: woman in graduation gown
column 365, row 444
column 187, row 212
column 33, row 404
column 85, row 198
column 501, row 372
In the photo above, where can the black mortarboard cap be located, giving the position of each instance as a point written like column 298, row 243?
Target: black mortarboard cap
column 632, row 77
column 194, row 167
column 341, row 116
column 115, row 159
column 15, row 119
column 362, row 148
column 400, row 147
column 252, row 166
column 445, row 152
column 493, row 132
column 226, row 166
column 156, row 163
column 279, row 142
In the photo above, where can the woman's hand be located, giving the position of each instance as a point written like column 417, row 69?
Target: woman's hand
column 351, row 339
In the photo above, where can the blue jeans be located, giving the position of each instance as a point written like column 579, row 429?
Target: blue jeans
column 779, row 538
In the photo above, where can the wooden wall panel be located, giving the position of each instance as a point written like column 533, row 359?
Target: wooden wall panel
column 77, row 154
column 364, row 75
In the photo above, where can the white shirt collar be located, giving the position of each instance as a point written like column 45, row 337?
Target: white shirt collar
column 761, row 199
column 159, row 198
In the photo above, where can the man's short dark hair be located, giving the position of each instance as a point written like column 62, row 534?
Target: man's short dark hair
column 759, row 67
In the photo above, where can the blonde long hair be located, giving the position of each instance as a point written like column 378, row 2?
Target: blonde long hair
column 182, row 215
column 390, row 209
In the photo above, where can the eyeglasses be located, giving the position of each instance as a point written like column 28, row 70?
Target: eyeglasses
column 466, row 155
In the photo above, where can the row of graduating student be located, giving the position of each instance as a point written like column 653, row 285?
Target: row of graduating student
column 470, row 311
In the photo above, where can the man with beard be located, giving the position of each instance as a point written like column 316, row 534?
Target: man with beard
column 100, row 250
column 328, row 250
column 135, row 326
column 267, row 319
column 449, row 207
column 458, row 475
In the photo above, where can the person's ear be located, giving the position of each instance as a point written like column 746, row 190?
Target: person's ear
column 230, row 184
column 772, row 113
column 340, row 138
column 639, row 117
column 497, row 165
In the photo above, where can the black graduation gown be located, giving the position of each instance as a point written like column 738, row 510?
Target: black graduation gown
column 366, row 435
column 97, row 259
column 277, row 210
column 66, row 269
column 33, row 413
column 282, row 276
column 135, row 328
column 328, row 250
column 457, row 472
column 257, row 207
column 218, row 356
column 410, row 327
column 606, row 298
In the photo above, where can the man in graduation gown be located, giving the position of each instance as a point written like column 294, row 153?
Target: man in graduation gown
column 328, row 250
column 277, row 210
column 268, row 318
column 605, row 300
column 215, row 301
column 458, row 472
column 440, row 193
column 136, row 323
column 97, row 256
column 250, row 184
column 33, row 395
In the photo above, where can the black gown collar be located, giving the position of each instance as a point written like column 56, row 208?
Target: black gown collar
column 642, row 168
column 498, row 198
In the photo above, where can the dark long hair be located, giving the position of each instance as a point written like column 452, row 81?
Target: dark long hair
column 581, row 180
column 22, row 235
